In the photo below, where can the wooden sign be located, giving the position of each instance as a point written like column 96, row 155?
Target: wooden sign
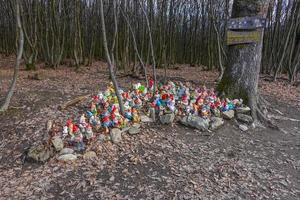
column 244, row 37
column 247, row 23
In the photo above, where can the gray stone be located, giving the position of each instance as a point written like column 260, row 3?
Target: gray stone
column 244, row 118
column 89, row 155
column 167, row 118
column 125, row 129
column 243, row 127
column 134, row 129
column 112, row 178
column 66, row 151
column 146, row 119
column 228, row 114
column 116, row 135
column 243, row 110
column 67, row 157
column 152, row 113
column 195, row 122
column 40, row 153
column 57, row 143
column 216, row 122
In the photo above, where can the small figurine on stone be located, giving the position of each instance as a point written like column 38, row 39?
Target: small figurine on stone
column 151, row 84
column 93, row 109
column 135, row 116
column 205, row 111
column 65, row 131
column 82, row 123
column 89, row 132
column 138, row 103
column 70, row 126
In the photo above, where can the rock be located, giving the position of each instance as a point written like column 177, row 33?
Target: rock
column 89, row 155
column 243, row 127
column 67, row 157
column 196, row 122
column 152, row 114
column 244, row 118
column 216, row 122
column 40, row 153
column 57, row 143
column 146, row 119
column 112, row 178
column 125, row 129
column 228, row 114
column 116, row 135
column 66, row 151
column 167, row 118
column 134, row 129
column 243, row 110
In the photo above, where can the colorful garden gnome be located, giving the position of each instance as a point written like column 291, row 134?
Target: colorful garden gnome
column 89, row 132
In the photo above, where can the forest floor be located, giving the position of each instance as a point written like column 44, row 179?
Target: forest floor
column 162, row 162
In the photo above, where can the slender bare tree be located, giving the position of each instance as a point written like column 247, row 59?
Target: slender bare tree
column 20, row 37
column 151, row 46
column 110, row 64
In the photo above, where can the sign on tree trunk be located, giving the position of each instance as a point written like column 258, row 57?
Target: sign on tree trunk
column 243, row 37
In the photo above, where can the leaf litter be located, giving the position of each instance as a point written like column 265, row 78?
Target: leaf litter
column 161, row 162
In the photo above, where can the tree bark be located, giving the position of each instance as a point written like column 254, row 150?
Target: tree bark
column 241, row 75
column 10, row 93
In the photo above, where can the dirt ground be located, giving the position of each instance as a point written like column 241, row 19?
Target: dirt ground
column 162, row 162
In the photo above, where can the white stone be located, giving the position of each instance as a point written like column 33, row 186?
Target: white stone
column 243, row 127
column 67, row 157
column 116, row 135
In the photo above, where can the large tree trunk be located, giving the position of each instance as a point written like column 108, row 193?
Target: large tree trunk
column 10, row 93
column 241, row 75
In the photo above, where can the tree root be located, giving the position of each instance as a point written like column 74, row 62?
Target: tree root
column 261, row 113
column 278, row 117
column 263, row 118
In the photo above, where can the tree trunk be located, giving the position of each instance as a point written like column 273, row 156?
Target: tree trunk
column 241, row 75
column 110, row 65
column 18, row 60
column 151, row 47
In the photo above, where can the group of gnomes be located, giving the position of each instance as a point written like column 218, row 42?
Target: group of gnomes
column 104, row 112
column 203, row 102
column 79, row 134
column 164, row 99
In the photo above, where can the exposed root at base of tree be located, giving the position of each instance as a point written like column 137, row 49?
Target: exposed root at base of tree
column 260, row 113
column 263, row 118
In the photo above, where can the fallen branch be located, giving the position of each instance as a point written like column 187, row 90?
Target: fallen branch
column 72, row 102
column 17, row 107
